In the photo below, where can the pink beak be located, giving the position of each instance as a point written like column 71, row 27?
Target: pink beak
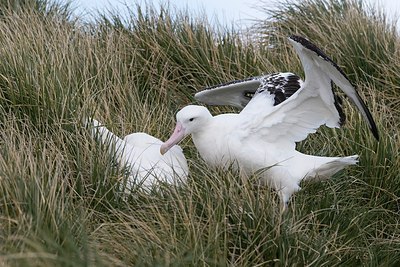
column 176, row 137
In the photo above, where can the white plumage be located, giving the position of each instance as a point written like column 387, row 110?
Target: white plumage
column 140, row 153
column 283, row 111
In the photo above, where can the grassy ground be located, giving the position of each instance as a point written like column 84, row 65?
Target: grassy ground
column 59, row 201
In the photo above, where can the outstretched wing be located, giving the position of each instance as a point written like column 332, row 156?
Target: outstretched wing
column 238, row 93
column 313, row 105
column 312, row 58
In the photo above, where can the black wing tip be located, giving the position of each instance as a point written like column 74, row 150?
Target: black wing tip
column 372, row 127
column 369, row 118
column 375, row 133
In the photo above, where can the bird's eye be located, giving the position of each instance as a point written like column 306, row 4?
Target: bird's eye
column 191, row 119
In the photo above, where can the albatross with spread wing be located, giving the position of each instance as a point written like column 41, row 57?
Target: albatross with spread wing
column 283, row 110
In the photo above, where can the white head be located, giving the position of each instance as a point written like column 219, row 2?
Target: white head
column 190, row 119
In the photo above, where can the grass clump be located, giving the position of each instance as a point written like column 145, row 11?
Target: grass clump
column 59, row 199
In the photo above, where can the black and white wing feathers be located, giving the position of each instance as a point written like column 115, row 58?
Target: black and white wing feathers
column 280, row 85
column 313, row 105
column 238, row 93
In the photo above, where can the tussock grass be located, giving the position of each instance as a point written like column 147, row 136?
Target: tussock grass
column 59, row 198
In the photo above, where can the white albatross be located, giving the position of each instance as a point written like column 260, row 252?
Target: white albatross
column 140, row 154
column 283, row 110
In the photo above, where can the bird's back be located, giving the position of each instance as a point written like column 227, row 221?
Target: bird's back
column 145, row 159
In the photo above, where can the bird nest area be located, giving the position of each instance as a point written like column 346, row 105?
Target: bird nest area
column 61, row 200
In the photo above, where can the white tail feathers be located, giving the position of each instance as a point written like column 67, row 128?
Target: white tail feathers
column 329, row 168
